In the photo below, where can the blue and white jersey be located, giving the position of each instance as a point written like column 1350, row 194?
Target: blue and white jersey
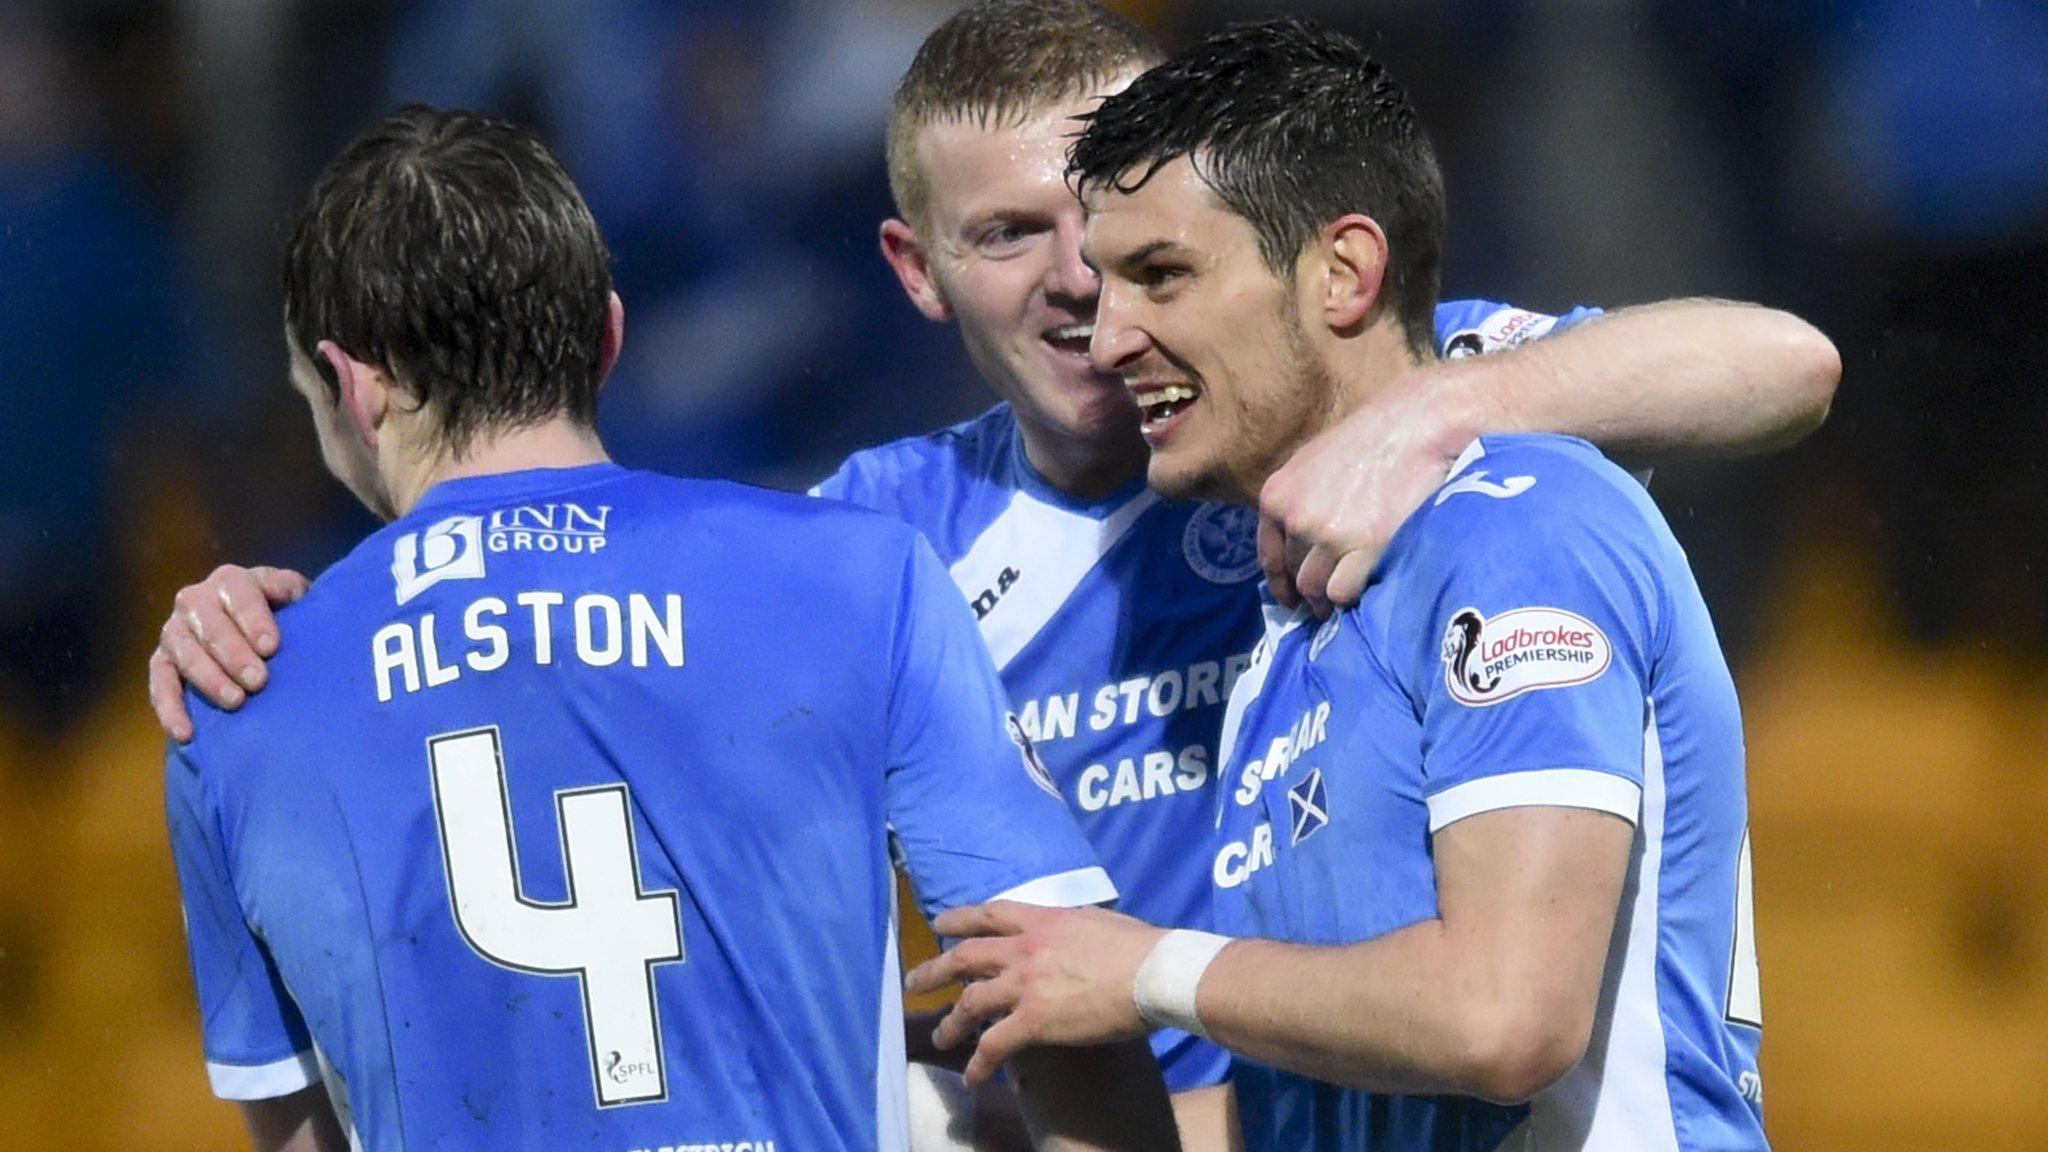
column 1119, row 626
column 567, row 817
column 1532, row 637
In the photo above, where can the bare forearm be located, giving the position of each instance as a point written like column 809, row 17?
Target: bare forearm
column 1404, row 1030
column 1104, row 1097
column 1495, row 999
column 1655, row 383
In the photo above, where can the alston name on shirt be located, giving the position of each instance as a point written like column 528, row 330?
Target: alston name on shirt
column 597, row 629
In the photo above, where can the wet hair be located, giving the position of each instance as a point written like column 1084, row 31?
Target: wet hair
column 453, row 250
column 1292, row 125
column 997, row 63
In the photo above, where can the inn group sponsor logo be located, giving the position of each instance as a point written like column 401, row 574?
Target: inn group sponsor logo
column 452, row 549
column 1489, row 660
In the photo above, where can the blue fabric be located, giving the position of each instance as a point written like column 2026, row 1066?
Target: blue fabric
column 762, row 683
column 1532, row 636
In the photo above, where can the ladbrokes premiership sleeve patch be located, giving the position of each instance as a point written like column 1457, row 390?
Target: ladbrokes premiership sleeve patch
column 1489, row 660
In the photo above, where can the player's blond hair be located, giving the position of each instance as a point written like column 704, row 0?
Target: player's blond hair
column 999, row 62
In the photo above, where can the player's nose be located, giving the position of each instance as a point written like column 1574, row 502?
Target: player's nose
column 1117, row 340
column 1069, row 277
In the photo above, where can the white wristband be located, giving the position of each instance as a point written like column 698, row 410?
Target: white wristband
column 1167, row 980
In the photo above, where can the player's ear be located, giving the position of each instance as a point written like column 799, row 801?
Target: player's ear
column 614, row 338
column 365, row 390
column 907, row 257
column 1349, row 259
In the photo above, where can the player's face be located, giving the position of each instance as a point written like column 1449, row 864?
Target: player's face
column 347, row 458
column 1003, row 235
column 1206, row 338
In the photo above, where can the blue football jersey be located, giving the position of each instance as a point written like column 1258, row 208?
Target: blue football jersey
column 1119, row 626
column 566, row 820
column 1533, row 636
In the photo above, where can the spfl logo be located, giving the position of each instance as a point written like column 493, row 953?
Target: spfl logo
column 1222, row 543
column 1488, row 661
column 450, row 550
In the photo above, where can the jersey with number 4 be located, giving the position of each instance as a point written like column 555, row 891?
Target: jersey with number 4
column 1119, row 625
column 566, row 821
column 1532, row 637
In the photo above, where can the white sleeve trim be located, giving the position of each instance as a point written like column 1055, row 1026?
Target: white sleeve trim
column 1075, row 889
column 264, row 1081
column 1550, row 787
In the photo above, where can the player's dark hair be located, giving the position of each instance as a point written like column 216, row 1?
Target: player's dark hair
column 996, row 63
column 1293, row 126
column 452, row 249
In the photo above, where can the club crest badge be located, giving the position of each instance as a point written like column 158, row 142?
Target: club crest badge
column 1222, row 543
column 1487, row 661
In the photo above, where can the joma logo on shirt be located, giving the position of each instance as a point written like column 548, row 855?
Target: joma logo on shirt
column 986, row 602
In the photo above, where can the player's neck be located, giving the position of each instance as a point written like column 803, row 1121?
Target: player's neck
column 1084, row 470
column 557, row 443
column 1367, row 368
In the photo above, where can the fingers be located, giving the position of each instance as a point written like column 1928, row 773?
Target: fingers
column 967, row 960
column 1273, row 559
column 249, row 595
column 280, row 586
column 1313, row 578
column 1009, row 1036
column 996, row 918
column 1348, row 579
column 167, row 697
column 979, row 1003
column 227, row 611
column 196, row 665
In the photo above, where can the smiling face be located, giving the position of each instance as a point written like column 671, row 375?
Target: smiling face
column 1206, row 338
column 998, row 249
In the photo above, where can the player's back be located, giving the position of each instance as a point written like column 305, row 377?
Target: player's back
column 563, row 819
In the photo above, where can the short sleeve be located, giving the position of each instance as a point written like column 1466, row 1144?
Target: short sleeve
column 257, row 1046
column 1531, row 676
column 973, row 812
column 1481, row 327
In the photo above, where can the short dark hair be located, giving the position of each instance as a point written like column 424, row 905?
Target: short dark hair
column 1292, row 125
column 453, row 250
column 999, row 61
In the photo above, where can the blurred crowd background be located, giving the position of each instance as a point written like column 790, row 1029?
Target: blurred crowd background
column 1878, row 166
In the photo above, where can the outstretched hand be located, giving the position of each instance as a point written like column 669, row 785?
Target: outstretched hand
column 1038, row 976
column 1326, row 517
column 220, row 632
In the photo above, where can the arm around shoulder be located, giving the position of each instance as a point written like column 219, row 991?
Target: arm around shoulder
column 1656, row 382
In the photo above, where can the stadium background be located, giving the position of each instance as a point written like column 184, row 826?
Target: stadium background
column 1879, row 166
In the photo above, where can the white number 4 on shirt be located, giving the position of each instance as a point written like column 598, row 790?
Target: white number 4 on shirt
column 608, row 933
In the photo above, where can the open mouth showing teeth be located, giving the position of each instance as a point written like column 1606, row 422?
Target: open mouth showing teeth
column 1071, row 338
column 1164, row 402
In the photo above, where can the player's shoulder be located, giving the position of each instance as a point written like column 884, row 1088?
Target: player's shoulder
column 1524, row 490
column 916, row 469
